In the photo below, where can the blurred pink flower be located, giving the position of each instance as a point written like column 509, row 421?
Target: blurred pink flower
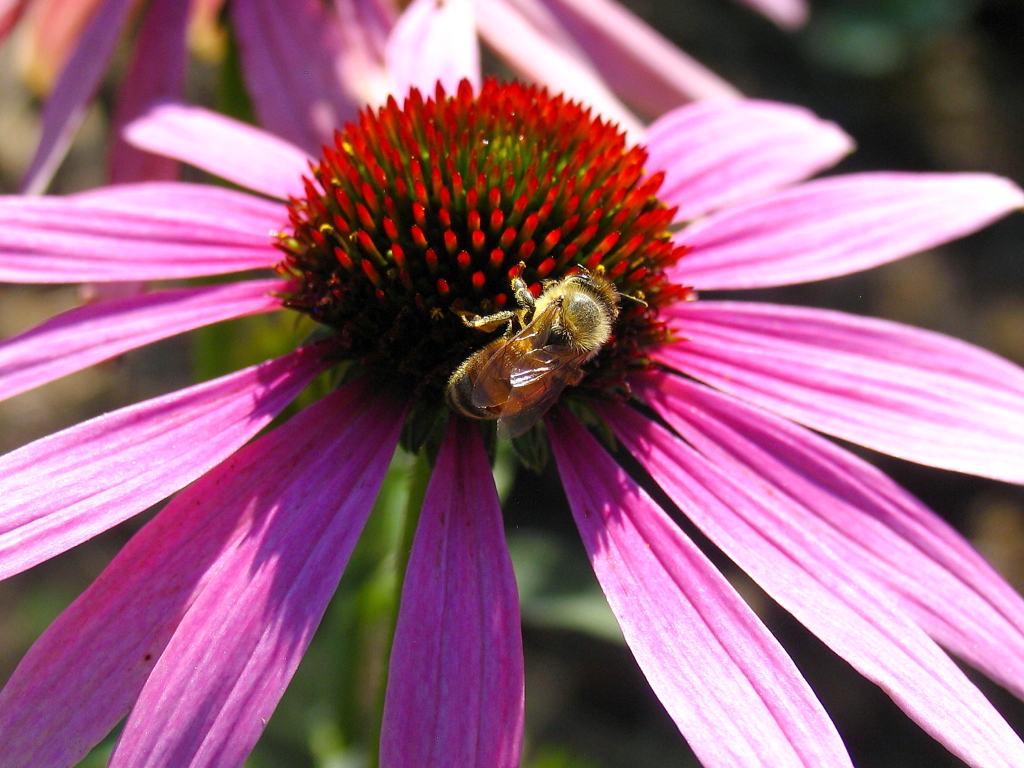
column 592, row 50
column 69, row 44
column 311, row 66
column 196, row 627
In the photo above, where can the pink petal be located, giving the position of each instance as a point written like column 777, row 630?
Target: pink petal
column 455, row 683
column 66, row 488
column 157, row 73
column 537, row 53
column 717, row 153
column 796, row 566
column 65, row 107
column 910, row 393
column 81, row 337
column 878, row 528
column 83, row 674
column 434, row 41
column 839, row 225
column 734, row 693
column 155, row 231
column 788, row 14
column 297, row 502
column 645, row 69
column 239, row 211
column 223, row 147
column 288, row 52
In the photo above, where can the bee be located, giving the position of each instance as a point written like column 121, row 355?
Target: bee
column 519, row 376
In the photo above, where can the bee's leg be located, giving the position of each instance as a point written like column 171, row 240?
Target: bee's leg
column 486, row 323
column 525, row 300
column 523, row 295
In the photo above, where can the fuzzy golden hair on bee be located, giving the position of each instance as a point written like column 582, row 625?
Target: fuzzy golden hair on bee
column 589, row 308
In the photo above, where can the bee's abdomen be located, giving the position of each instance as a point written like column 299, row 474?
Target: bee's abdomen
column 459, row 393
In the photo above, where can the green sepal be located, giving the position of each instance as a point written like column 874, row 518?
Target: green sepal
column 532, row 448
column 424, row 428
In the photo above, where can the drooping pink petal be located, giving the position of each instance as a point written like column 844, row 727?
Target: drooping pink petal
column 299, row 514
column 434, row 41
column 907, row 392
column 537, row 53
column 289, row 58
column 839, row 225
column 238, row 211
column 246, row 213
column 734, row 693
column 647, row 71
column 66, row 488
column 81, row 337
column 156, row 73
column 788, row 14
column 455, row 683
column 83, row 674
column 223, row 147
column 154, row 231
column 65, row 107
column 716, row 153
column 797, row 567
column 878, row 528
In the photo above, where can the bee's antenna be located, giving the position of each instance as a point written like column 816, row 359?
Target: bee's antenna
column 638, row 299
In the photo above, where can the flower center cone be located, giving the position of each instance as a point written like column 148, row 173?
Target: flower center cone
column 423, row 214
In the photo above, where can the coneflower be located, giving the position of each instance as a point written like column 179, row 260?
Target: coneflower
column 419, row 219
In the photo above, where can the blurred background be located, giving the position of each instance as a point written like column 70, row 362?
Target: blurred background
column 920, row 85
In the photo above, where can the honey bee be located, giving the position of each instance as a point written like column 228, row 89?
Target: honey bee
column 517, row 377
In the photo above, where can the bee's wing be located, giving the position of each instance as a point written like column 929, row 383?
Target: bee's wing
column 492, row 387
column 539, row 364
column 536, row 382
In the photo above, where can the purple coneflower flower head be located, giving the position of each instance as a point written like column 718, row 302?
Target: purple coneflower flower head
column 418, row 226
